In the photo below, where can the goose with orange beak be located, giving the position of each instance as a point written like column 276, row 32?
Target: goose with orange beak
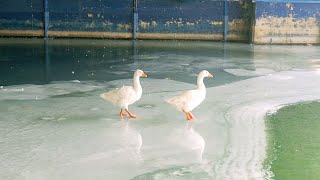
column 190, row 99
column 126, row 95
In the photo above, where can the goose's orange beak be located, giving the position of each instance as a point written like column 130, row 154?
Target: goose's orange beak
column 210, row 75
column 144, row 75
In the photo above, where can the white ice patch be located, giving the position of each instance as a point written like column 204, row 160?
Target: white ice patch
column 119, row 72
column 76, row 81
column 28, row 91
column 275, row 110
column 245, row 72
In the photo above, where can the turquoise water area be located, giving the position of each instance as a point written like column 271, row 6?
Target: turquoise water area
column 294, row 142
column 54, row 125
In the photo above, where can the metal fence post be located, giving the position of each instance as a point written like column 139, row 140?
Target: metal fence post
column 226, row 21
column 135, row 19
column 46, row 18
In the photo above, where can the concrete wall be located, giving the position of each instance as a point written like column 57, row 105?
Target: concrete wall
column 158, row 19
column 287, row 22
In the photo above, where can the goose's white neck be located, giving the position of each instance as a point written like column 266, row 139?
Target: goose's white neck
column 136, row 83
column 200, row 83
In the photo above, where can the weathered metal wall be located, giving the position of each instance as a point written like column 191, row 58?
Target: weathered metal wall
column 158, row 19
column 21, row 18
column 193, row 19
column 287, row 22
column 90, row 18
column 76, row 18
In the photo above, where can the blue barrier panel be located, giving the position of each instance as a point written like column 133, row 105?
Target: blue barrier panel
column 87, row 15
column 196, row 16
column 22, row 15
column 158, row 19
column 196, row 19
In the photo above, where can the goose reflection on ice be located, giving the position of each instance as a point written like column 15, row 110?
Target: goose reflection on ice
column 191, row 142
column 122, row 143
column 131, row 141
column 194, row 140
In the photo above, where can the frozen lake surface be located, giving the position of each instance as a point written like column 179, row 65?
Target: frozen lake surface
column 54, row 125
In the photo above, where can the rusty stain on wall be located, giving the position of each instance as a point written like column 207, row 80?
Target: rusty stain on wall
column 168, row 23
column 90, row 25
column 186, row 36
column 22, row 33
column 143, row 24
column 178, row 23
column 154, row 24
column 125, row 27
column 123, row 35
column 236, row 27
column 239, row 26
column 286, row 30
column 117, row 35
column 107, row 23
column 216, row 23
column 81, row 34
column 190, row 36
column 88, row 34
column 189, row 24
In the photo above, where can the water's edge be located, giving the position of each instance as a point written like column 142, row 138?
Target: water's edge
column 293, row 141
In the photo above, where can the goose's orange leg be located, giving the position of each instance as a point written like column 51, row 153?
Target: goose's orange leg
column 192, row 116
column 131, row 115
column 189, row 115
column 123, row 113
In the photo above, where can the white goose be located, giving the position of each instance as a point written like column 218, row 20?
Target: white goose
column 126, row 95
column 190, row 99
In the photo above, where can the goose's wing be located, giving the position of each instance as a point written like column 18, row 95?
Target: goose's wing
column 187, row 101
column 127, row 92
column 195, row 97
column 119, row 95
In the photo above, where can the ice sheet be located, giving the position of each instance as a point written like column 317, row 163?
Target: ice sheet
column 245, row 72
column 69, row 132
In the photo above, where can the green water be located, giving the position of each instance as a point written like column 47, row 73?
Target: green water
column 294, row 142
